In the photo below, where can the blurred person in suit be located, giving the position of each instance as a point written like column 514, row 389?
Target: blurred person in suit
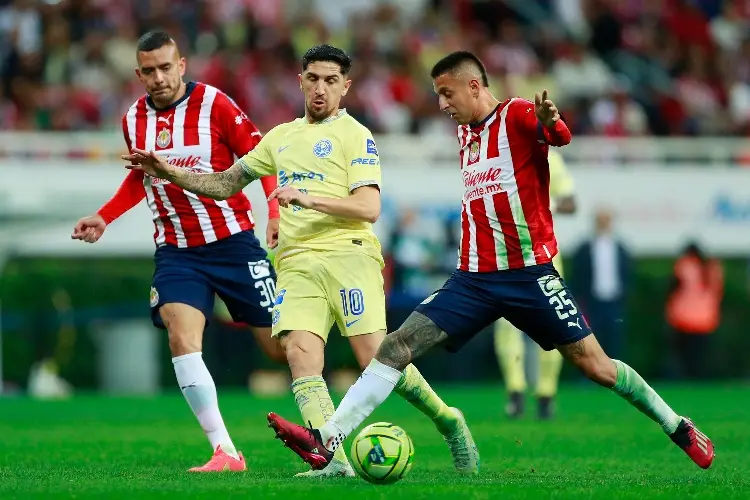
column 602, row 267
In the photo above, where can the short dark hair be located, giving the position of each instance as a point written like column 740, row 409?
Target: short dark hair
column 153, row 40
column 328, row 53
column 453, row 61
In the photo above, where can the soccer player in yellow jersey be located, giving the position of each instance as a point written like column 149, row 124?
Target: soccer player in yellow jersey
column 509, row 341
column 328, row 259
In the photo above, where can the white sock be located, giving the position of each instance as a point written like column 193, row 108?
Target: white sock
column 199, row 390
column 367, row 393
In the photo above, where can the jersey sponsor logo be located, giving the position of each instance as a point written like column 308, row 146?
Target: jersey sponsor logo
column 365, row 161
column 259, row 269
column 475, row 178
column 371, row 149
column 474, row 151
column 292, row 177
column 153, row 297
column 323, row 148
column 480, row 183
column 550, row 284
column 164, row 138
column 186, row 162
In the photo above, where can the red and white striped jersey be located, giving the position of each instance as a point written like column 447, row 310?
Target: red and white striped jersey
column 202, row 132
column 506, row 221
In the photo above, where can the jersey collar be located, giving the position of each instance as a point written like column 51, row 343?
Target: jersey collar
column 189, row 87
column 342, row 112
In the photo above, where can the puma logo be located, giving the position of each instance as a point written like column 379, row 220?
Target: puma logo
column 575, row 323
column 164, row 119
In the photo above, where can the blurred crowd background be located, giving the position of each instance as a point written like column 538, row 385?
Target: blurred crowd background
column 641, row 69
column 618, row 67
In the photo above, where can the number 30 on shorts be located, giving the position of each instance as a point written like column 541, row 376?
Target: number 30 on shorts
column 352, row 301
column 553, row 288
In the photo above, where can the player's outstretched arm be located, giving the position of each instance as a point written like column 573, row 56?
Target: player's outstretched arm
column 218, row 186
column 363, row 204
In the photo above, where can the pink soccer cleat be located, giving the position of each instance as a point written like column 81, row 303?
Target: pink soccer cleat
column 221, row 462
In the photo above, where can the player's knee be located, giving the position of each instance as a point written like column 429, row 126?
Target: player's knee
column 185, row 330
column 304, row 352
column 183, row 341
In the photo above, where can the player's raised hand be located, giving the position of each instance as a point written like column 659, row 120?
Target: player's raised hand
column 89, row 229
column 272, row 233
column 288, row 195
column 546, row 111
column 149, row 162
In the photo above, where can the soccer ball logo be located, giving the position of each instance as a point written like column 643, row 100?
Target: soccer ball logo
column 382, row 453
column 322, row 148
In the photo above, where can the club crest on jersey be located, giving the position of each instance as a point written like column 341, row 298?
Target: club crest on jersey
column 323, row 148
column 164, row 138
column 153, row 297
column 474, row 151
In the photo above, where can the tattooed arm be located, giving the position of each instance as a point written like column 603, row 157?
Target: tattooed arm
column 219, row 186
column 416, row 336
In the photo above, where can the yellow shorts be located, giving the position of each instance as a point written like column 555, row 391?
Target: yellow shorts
column 314, row 288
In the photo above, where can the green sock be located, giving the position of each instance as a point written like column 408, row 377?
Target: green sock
column 414, row 388
column 632, row 388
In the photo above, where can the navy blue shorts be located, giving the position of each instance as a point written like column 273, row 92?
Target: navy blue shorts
column 235, row 268
column 534, row 299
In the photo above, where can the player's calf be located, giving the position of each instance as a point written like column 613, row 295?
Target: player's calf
column 588, row 356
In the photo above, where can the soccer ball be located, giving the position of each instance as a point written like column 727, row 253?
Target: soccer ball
column 382, row 453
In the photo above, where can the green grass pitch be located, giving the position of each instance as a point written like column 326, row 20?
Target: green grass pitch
column 597, row 448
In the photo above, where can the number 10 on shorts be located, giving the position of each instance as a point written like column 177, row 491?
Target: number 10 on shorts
column 352, row 301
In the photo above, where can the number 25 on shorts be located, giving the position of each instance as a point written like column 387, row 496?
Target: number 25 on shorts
column 352, row 303
column 553, row 288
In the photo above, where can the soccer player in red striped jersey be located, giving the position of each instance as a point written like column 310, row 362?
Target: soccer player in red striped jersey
column 203, row 247
column 504, row 267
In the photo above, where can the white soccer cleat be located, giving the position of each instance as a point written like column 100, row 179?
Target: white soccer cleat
column 336, row 468
column 463, row 448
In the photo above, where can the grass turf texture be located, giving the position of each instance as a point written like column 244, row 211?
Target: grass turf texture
column 598, row 447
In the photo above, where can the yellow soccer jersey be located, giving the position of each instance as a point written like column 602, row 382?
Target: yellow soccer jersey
column 560, row 181
column 331, row 158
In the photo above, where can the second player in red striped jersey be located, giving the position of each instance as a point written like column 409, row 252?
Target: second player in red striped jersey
column 506, row 222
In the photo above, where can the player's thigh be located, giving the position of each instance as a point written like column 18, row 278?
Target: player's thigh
column 243, row 277
column 179, row 279
column 301, row 303
column 365, row 347
column 354, row 290
column 539, row 303
column 463, row 307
